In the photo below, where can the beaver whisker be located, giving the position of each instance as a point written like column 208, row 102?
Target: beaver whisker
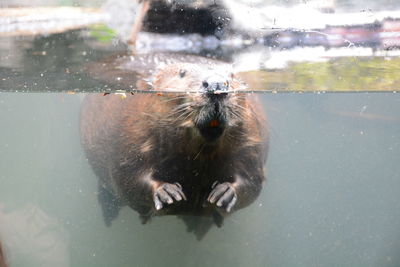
column 245, row 109
column 189, row 115
column 150, row 115
column 237, row 115
column 174, row 98
column 182, row 107
column 186, row 115
column 178, row 116
column 241, row 111
column 201, row 149
column 177, row 113
column 199, row 112
column 235, row 105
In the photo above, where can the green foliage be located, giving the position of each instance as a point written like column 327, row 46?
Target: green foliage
column 341, row 74
column 102, row 33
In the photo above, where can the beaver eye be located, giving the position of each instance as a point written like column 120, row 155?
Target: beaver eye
column 205, row 84
column 182, row 73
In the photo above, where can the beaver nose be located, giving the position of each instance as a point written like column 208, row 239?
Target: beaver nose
column 215, row 88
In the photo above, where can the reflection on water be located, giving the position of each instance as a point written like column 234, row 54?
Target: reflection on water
column 78, row 63
column 53, row 63
column 331, row 196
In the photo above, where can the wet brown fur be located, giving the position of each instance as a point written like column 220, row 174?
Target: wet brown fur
column 136, row 143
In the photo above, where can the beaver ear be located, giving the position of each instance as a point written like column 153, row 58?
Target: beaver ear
column 232, row 75
column 182, row 73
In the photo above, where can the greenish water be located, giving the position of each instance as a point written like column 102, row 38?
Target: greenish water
column 332, row 195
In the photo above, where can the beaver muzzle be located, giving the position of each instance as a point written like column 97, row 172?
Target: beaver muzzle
column 212, row 119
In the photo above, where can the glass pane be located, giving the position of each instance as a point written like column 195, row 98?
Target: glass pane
column 215, row 133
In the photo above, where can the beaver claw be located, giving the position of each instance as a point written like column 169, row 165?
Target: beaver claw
column 224, row 195
column 167, row 193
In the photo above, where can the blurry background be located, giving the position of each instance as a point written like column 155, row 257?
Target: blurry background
column 342, row 5
column 299, row 45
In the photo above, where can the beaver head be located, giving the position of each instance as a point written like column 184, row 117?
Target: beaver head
column 206, row 99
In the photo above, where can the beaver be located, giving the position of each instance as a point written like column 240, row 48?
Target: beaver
column 197, row 148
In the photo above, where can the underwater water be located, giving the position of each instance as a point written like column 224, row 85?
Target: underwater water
column 331, row 197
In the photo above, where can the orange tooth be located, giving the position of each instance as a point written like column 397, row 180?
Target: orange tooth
column 214, row 123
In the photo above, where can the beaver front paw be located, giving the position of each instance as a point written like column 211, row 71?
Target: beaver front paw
column 167, row 193
column 224, row 195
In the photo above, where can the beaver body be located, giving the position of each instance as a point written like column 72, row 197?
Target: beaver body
column 198, row 153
